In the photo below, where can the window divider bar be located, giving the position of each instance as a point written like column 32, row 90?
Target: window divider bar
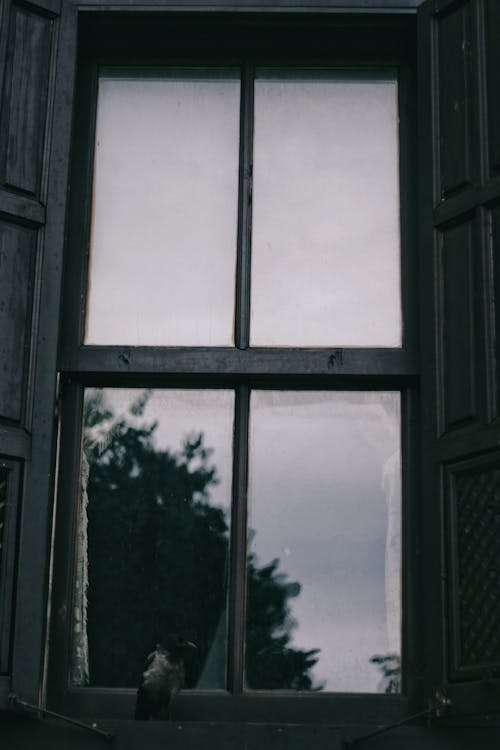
column 243, row 267
column 237, row 590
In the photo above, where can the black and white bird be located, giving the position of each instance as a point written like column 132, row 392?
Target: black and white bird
column 163, row 677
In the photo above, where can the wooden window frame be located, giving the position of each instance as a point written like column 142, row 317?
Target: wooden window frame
column 245, row 40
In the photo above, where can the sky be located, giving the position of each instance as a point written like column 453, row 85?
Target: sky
column 325, row 210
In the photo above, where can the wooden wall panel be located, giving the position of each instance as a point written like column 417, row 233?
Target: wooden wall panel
column 26, row 96
column 17, row 261
column 458, row 351
column 455, row 101
column 492, row 27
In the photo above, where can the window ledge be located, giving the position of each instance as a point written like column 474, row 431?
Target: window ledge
column 28, row 732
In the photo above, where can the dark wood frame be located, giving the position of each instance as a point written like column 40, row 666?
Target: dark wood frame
column 8, row 535
column 342, row 41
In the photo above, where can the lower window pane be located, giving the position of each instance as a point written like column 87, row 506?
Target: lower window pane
column 152, row 533
column 324, row 562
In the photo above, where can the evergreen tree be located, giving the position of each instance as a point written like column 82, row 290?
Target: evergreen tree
column 158, row 562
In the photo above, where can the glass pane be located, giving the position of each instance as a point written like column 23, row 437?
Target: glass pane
column 324, row 564
column 325, row 237
column 164, row 226
column 152, row 533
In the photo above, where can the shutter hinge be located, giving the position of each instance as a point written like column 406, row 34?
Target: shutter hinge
column 441, row 703
column 439, row 706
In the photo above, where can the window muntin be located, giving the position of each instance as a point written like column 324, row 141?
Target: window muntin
column 165, row 209
column 325, row 228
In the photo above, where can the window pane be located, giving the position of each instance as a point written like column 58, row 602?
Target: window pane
column 325, row 237
column 324, row 564
column 152, row 532
column 163, row 245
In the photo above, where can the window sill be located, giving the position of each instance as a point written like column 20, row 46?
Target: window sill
column 102, row 704
column 25, row 732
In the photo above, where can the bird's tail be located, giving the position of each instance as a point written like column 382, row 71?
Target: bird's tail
column 142, row 706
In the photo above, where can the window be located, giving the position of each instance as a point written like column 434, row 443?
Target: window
column 449, row 387
column 236, row 371
column 321, row 146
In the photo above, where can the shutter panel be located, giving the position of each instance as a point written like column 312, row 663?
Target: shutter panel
column 28, row 35
column 460, row 261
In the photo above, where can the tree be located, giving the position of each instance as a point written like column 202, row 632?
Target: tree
column 158, row 562
column 390, row 667
column 270, row 662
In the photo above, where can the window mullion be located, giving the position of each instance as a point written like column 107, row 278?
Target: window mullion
column 242, row 320
column 238, row 542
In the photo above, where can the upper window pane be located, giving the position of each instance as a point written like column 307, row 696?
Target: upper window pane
column 164, row 225
column 326, row 235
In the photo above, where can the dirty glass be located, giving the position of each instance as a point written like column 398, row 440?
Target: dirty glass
column 164, row 210
column 325, row 227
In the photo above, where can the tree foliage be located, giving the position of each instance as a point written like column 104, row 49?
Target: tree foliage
column 271, row 663
column 390, row 668
column 158, row 561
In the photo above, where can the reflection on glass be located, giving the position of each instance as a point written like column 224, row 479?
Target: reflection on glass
column 324, row 563
column 325, row 235
column 163, row 244
column 152, row 533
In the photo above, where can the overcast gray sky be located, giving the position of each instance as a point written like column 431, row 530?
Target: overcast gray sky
column 325, row 229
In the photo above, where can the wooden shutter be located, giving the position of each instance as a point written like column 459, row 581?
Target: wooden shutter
column 459, row 110
column 31, row 232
